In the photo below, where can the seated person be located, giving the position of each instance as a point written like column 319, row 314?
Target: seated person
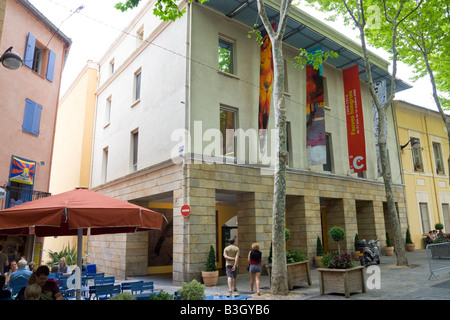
column 4, row 293
column 21, row 275
column 429, row 238
column 33, row 292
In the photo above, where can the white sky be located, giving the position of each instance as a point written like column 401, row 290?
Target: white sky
column 98, row 24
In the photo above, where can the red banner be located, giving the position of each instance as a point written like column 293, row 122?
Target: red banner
column 355, row 120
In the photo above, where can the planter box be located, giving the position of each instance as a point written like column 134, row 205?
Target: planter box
column 298, row 274
column 343, row 281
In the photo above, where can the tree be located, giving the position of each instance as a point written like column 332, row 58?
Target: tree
column 395, row 14
column 422, row 43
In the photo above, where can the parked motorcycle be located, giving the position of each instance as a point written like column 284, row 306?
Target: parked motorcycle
column 368, row 253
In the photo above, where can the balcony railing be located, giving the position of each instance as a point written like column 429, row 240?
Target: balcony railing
column 17, row 195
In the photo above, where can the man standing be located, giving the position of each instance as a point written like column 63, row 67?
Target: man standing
column 231, row 255
column 4, row 262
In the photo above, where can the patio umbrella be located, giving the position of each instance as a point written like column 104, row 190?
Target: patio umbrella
column 73, row 213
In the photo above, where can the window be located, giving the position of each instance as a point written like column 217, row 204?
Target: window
column 134, row 149
column 446, row 216
column 423, row 207
column 31, row 117
column 111, row 67
column 328, row 165
column 104, row 165
column 108, row 110
column 139, row 36
column 137, row 85
column 39, row 59
column 227, row 127
column 439, row 163
column 416, row 150
column 288, row 143
column 225, row 56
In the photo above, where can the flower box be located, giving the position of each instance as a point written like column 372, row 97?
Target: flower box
column 343, row 281
column 298, row 274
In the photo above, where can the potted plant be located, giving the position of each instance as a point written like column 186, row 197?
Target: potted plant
column 211, row 275
column 297, row 268
column 410, row 246
column 319, row 254
column 389, row 249
column 356, row 251
column 339, row 274
column 439, row 226
column 193, row 290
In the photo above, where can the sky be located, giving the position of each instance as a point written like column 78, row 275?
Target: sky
column 95, row 27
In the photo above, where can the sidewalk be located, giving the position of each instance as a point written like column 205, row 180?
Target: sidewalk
column 397, row 283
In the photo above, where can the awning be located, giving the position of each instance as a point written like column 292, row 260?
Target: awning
column 307, row 32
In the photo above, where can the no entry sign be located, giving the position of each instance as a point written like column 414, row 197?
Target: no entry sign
column 185, row 210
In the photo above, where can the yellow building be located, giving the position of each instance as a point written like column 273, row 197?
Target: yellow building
column 71, row 161
column 2, row 15
column 424, row 150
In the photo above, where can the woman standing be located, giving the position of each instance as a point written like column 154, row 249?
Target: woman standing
column 254, row 257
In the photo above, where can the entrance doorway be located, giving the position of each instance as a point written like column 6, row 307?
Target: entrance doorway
column 323, row 220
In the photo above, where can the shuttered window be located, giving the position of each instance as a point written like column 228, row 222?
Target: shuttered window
column 39, row 58
column 32, row 117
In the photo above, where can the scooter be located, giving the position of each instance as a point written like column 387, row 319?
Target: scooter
column 368, row 253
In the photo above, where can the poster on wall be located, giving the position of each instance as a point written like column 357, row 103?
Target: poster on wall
column 355, row 120
column 22, row 170
column 315, row 118
column 380, row 90
column 265, row 89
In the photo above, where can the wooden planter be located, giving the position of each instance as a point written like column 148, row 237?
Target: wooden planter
column 298, row 274
column 343, row 281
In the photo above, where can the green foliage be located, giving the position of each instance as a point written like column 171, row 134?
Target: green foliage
column 211, row 263
column 193, row 290
column 295, row 255
column 327, row 257
column 315, row 59
column 161, row 295
column 70, row 254
column 123, row 296
column 388, row 240
column 408, row 237
column 319, row 247
column 164, row 9
column 356, row 241
column 439, row 226
column 287, row 234
column 337, row 233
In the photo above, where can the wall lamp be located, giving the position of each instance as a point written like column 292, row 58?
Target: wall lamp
column 11, row 60
column 414, row 142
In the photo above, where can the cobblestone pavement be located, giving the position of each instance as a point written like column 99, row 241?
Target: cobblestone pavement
column 396, row 283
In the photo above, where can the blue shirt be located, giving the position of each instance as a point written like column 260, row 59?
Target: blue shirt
column 21, row 273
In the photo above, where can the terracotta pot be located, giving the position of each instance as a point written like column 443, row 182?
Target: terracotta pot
column 318, row 262
column 356, row 255
column 410, row 247
column 388, row 251
column 210, row 278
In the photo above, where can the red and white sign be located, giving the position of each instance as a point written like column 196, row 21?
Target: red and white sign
column 355, row 120
column 185, row 210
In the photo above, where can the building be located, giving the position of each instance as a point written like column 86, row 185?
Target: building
column 177, row 123
column 424, row 154
column 71, row 162
column 28, row 105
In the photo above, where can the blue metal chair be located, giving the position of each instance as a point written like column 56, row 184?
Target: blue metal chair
column 104, row 281
column 104, row 292
column 18, row 284
column 127, row 285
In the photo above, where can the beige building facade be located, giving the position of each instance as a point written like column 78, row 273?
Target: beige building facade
column 160, row 149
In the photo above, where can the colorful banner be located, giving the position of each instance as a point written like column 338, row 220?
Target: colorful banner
column 380, row 89
column 265, row 89
column 315, row 118
column 22, row 170
column 355, row 120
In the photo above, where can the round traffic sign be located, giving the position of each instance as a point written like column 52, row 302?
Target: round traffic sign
column 185, row 210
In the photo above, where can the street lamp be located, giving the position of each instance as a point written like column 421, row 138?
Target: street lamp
column 414, row 141
column 11, row 60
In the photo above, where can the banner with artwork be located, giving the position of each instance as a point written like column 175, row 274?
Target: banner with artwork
column 315, row 118
column 22, row 170
column 380, row 90
column 355, row 120
column 265, row 89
